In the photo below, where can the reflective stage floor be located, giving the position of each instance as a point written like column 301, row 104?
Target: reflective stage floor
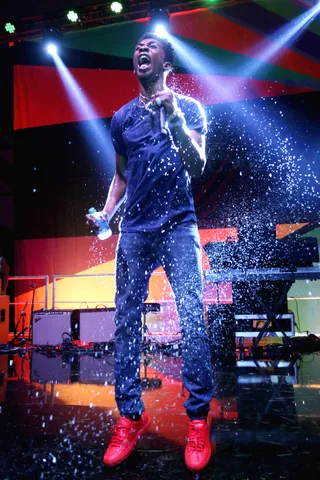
column 56, row 416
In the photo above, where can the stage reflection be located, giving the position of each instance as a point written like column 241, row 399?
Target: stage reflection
column 57, row 413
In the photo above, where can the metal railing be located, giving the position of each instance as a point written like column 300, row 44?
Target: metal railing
column 80, row 275
column 45, row 302
column 34, row 277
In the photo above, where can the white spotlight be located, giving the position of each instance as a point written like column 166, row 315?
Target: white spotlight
column 161, row 31
column 52, row 49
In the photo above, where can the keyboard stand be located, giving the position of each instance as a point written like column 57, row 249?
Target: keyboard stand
column 271, row 316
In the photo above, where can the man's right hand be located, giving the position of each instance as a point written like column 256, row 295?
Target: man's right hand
column 92, row 222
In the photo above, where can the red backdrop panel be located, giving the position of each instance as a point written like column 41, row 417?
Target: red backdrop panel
column 236, row 38
column 40, row 97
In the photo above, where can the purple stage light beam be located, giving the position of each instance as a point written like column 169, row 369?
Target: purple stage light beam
column 99, row 137
column 270, row 48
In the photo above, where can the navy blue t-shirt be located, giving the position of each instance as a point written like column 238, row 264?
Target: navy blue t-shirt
column 158, row 186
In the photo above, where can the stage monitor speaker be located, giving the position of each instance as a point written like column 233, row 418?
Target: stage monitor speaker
column 98, row 371
column 94, row 325
column 4, row 318
column 48, row 326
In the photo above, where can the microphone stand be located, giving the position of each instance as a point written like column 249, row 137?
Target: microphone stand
column 33, row 286
column 18, row 334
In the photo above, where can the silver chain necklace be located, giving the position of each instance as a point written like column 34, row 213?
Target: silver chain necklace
column 148, row 105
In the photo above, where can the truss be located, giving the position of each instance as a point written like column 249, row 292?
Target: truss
column 99, row 14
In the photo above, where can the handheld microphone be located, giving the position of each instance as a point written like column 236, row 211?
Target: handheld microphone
column 163, row 119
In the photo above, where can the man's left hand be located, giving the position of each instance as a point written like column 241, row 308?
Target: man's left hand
column 165, row 99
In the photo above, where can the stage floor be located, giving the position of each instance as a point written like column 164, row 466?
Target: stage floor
column 56, row 416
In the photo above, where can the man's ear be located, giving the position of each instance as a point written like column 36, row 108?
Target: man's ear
column 167, row 66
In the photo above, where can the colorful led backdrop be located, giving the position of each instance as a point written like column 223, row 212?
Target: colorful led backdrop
column 260, row 97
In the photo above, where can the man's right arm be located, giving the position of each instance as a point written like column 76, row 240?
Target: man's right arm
column 117, row 188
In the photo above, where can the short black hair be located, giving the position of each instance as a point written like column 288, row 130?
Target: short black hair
column 169, row 53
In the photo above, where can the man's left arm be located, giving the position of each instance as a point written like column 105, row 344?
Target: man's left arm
column 191, row 146
column 190, row 142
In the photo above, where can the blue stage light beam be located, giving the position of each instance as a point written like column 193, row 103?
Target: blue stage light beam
column 190, row 58
column 160, row 21
column 268, row 136
column 272, row 47
column 95, row 133
column 52, row 49
column 161, row 30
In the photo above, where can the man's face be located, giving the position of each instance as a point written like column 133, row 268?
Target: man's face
column 148, row 59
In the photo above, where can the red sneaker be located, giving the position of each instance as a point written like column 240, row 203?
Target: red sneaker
column 124, row 438
column 198, row 450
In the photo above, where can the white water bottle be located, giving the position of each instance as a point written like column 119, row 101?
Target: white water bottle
column 103, row 231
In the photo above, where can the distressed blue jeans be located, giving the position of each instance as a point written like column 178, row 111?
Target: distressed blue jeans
column 178, row 250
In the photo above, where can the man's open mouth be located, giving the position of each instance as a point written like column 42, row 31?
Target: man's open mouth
column 144, row 61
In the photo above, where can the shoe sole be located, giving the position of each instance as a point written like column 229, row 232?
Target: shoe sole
column 200, row 467
column 140, row 432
